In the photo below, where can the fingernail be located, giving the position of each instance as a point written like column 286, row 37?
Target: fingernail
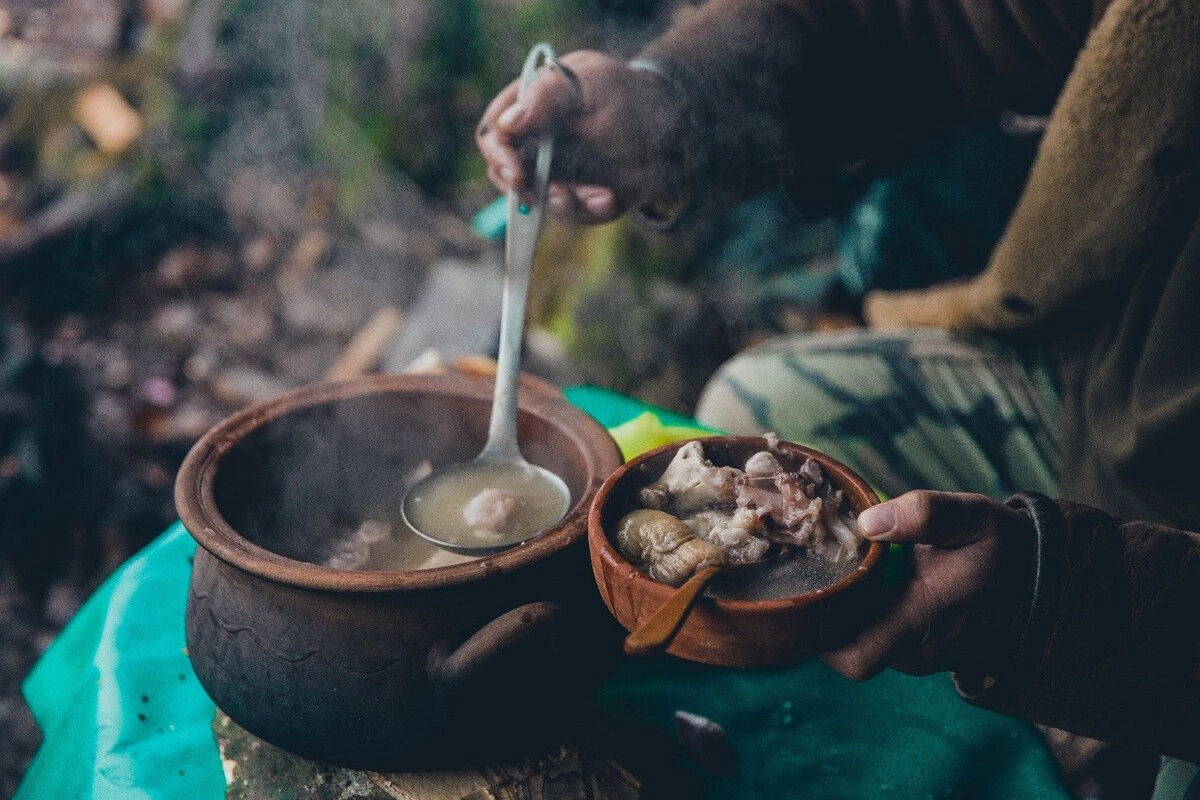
column 511, row 115
column 877, row 520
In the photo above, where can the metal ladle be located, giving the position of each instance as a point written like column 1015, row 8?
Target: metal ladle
column 434, row 507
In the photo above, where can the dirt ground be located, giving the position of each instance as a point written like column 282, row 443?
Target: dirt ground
column 176, row 256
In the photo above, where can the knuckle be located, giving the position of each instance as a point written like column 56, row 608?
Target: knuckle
column 858, row 671
column 920, row 506
column 849, row 663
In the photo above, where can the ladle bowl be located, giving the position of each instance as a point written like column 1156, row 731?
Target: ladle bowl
column 438, row 508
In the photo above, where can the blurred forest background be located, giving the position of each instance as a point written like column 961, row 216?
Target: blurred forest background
column 206, row 202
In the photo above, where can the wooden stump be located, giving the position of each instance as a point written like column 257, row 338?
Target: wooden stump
column 255, row 770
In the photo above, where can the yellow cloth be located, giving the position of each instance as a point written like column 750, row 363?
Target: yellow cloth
column 646, row 432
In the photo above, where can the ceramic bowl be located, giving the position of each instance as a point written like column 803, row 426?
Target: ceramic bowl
column 729, row 632
column 408, row 669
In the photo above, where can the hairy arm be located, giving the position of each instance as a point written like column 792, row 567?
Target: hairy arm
column 780, row 89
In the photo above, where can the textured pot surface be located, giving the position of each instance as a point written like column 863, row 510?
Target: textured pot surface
column 387, row 670
column 740, row 633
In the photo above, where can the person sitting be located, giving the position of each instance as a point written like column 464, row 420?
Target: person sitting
column 1077, row 612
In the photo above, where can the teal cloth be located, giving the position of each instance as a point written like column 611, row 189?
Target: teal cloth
column 807, row 733
column 122, row 713
column 611, row 409
column 124, row 716
column 492, row 220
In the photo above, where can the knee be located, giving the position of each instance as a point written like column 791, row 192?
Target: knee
column 725, row 403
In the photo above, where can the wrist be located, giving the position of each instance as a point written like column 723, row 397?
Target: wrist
column 674, row 193
column 1038, row 579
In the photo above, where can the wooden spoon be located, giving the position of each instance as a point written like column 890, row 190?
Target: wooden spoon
column 657, row 631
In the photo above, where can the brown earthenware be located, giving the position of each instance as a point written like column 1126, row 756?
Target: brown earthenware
column 738, row 633
column 388, row 670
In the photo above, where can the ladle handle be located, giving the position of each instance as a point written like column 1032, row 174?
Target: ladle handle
column 520, row 243
column 658, row 630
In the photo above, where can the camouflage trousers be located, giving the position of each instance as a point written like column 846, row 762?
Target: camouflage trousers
column 906, row 410
column 910, row 410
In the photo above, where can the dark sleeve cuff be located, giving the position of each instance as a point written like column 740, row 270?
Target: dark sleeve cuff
column 998, row 690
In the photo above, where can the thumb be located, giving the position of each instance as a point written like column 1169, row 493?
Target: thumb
column 945, row 519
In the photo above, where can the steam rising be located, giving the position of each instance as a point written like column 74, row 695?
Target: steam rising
column 325, row 484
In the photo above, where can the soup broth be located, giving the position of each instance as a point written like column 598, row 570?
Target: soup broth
column 793, row 574
column 390, row 546
column 440, row 508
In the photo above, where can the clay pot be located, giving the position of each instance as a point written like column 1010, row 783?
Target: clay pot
column 388, row 670
column 739, row 633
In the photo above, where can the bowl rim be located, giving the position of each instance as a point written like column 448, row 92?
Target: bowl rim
column 197, row 507
column 601, row 544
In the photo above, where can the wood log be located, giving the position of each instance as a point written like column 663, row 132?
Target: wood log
column 367, row 346
column 255, row 770
column 307, row 254
column 107, row 118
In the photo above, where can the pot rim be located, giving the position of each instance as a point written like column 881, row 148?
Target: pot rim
column 198, row 510
column 615, row 563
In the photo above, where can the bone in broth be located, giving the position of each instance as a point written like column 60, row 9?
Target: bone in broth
column 389, row 546
column 699, row 514
column 486, row 505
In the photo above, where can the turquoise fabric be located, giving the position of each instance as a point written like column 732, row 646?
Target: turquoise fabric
column 124, row 716
column 611, row 409
column 115, row 696
column 807, row 733
column 492, row 221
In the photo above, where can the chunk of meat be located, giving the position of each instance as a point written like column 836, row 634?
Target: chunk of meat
column 763, row 464
column 800, row 508
column 488, row 511
column 691, row 482
column 698, row 513
column 741, row 533
column 846, row 535
column 665, row 547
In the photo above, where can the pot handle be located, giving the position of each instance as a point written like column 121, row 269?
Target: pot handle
column 501, row 634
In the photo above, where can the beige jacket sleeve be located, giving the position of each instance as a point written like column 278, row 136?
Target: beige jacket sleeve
column 1120, row 147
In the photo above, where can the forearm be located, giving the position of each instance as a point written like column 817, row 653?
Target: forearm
column 731, row 59
column 782, row 88
column 1118, row 657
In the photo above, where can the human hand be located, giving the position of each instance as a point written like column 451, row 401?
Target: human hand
column 947, row 305
column 619, row 134
column 964, row 607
